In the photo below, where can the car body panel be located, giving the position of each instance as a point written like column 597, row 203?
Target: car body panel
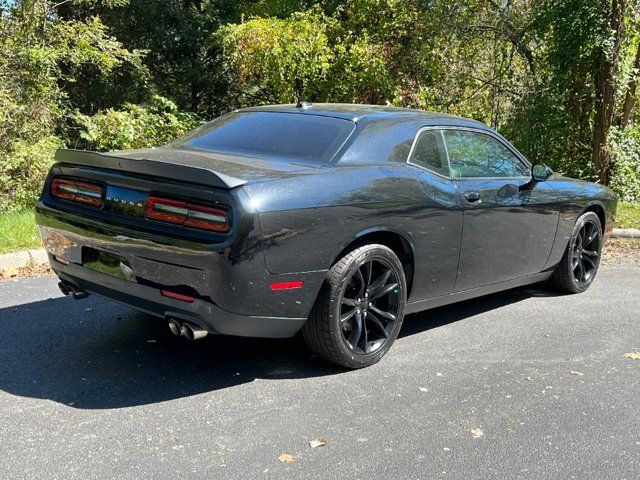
column 508, row 234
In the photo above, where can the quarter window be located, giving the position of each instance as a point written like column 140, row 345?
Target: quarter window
column 473, row 155
column 429, row 152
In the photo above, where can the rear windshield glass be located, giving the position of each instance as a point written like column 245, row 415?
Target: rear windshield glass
column 309, row 138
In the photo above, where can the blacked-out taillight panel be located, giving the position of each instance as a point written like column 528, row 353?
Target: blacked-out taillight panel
column 78, row 191
column 188, row 214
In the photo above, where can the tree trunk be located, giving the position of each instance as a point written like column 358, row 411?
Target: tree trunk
column 630, row 97
column 605, row 82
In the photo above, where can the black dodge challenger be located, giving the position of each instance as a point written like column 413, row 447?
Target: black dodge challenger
column 336, row 220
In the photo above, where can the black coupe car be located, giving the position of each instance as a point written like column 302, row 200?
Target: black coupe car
column 336, row 220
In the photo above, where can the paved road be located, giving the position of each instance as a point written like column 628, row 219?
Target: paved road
column 90, row 389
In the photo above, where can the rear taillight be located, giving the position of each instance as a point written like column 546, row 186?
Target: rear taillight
column 81, row 192
column 186, row 213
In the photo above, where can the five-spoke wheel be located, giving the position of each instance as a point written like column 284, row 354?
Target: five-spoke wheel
column 369, row 306
column 579, row 265
column 360, row 310
column 586, row 252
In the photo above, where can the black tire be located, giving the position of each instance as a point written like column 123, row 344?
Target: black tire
column 328, row 334
column 576, row 270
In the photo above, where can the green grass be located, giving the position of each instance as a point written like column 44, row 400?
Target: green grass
column 18, row 232
column 628, row 215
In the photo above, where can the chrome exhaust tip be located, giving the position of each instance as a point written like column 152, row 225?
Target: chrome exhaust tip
column 174, row 327
column 192, row 332
column 70, row 290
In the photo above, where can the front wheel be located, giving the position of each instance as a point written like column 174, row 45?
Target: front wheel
column 579, row 265
column 360, row 309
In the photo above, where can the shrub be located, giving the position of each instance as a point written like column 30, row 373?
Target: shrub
column 23, row 170
column 135, row 126
column 625, row 174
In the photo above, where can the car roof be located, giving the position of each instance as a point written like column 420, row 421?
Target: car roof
column 357, row 113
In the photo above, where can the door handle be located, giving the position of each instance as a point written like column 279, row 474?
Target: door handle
column 472, row 197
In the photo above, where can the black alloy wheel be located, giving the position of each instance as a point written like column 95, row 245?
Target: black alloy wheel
column 586, row 252
column 360, row 309
column 369, row 306
column 579, row 265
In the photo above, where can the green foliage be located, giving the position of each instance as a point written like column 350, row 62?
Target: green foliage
column 23, row 169
column 135, row 126
column 265, row 56
column 625, row 178
column 628, row 215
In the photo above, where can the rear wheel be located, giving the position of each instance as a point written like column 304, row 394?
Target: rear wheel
column 579, row 265
column 360, row 309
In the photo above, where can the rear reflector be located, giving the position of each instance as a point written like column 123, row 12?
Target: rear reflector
column 186, row 213
column 63, row 261
column 80, row 192
column 286, row 285
column 177, row 296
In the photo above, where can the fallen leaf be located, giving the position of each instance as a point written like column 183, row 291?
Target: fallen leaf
column 633, row 355
column 580, row 374
column 11, row 272
column 317, row 443
column 477, row 432
column 286, row 458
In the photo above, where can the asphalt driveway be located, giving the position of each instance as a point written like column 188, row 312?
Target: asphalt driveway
column 523, row 384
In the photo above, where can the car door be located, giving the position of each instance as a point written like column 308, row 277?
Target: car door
column 509, row 222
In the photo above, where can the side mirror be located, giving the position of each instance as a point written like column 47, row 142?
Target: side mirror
column 540, row 172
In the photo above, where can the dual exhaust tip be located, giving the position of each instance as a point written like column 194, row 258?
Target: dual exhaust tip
column 70, row 290
column 189, row 330
column 185, row 329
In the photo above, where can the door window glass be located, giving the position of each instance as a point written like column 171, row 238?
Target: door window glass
column 473, row 155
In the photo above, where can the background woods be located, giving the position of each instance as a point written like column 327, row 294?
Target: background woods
column 558, row 77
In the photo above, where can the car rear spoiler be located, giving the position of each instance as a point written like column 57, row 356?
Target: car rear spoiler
column 145, row 166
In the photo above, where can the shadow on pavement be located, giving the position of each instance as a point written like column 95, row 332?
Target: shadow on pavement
column 94, row 354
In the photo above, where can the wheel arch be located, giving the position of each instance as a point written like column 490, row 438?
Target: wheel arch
column 395, row 239
column 597, row 208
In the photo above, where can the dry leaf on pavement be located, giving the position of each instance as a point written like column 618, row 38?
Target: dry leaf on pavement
column 317, row 443
column 633, row 355
column 286, row 458
column 477, row 432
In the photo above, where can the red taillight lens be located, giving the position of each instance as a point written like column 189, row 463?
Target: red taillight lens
column 81, row 192
column 187, row 214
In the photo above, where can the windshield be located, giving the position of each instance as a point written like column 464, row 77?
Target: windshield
column 306, row 137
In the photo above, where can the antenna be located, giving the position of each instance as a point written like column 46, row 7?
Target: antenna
column 299, row 86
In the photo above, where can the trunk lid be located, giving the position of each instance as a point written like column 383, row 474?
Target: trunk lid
column 218, row 170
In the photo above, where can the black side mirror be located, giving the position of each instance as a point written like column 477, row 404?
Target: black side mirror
column 540, row 172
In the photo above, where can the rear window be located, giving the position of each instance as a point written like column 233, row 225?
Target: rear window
column 309, row 138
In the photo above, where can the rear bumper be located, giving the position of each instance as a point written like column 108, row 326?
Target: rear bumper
column 147, row 299
column 229, row 282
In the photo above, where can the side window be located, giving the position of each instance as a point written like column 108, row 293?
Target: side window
column 473, row 155
column 429, row 152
